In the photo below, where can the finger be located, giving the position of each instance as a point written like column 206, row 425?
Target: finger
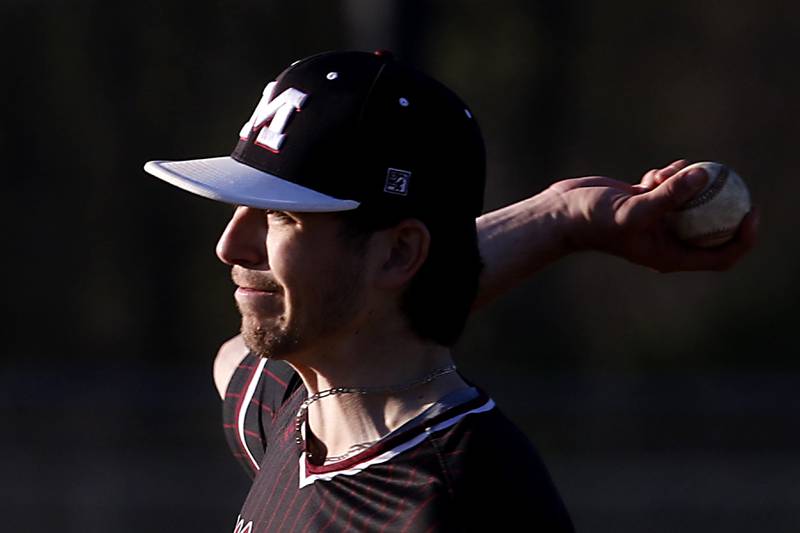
column 748, row 231
column 648, row 181
column 668, row 196
column 747, row 235
column 670, row 170
column 657, row 176
column 722, row 257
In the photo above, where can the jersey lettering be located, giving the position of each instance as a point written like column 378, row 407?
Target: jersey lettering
column 277, row 112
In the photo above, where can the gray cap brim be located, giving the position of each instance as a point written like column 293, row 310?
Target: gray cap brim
column 226, row 180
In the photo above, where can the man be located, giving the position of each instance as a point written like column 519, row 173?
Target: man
column 354, row 247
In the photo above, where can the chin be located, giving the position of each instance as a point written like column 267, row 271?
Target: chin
column 271, row 342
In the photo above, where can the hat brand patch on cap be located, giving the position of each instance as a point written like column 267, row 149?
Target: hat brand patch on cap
column 339, row 130
column 397, row 181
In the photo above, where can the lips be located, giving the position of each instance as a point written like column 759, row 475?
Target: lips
column 258, row 303
column 247, row 290
column 250, row 280
column 257, row 293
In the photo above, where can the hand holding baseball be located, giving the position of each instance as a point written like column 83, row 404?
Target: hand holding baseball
column 713, row 215
column 637, row 222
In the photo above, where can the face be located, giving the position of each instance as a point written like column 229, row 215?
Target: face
column 299, row 283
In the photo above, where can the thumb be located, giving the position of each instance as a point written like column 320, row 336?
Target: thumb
column 671, row 193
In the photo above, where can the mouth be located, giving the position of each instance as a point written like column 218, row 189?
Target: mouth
column 258, row 302
column 255, row 290
column 251, row 281
column 257, row 293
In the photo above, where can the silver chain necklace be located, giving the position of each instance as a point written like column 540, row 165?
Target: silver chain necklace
column 302, row 412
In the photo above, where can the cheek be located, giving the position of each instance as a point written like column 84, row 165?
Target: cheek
column 312, row 269
column 293, row 266
column 280, row 253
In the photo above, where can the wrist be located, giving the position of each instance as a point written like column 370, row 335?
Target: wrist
column 566, row 224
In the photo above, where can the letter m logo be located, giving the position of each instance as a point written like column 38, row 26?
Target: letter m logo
column 272, row 115
column 241, row 527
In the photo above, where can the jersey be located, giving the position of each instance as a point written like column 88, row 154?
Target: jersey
column 459, row 466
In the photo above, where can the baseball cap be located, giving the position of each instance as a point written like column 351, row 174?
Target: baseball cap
column 345, row 129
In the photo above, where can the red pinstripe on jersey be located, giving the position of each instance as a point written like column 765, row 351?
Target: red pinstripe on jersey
column 446, row 471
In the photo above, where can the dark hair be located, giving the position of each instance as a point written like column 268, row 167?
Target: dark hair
column 438, row 300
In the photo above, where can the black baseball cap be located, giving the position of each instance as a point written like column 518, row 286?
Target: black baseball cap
column 339, row 130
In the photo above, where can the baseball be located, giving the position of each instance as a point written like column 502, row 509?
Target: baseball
column 712, row 217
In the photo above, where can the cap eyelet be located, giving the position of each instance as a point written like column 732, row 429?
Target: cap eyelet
column 332, row 75
column 404, row 102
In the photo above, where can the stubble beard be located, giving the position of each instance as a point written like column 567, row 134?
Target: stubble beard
column 282, row 338
column 274, row 340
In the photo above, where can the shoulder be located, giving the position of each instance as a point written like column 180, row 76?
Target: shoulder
column 486, row 442
column 491, row 464
column 254, row 411
column 230, row 354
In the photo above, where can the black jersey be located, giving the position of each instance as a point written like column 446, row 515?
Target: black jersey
column 459, row 466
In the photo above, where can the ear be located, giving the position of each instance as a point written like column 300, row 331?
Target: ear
column 404, row 248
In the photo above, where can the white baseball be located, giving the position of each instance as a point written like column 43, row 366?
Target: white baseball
column 712, row 217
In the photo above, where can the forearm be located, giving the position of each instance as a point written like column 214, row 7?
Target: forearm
column 518, row 240
column 602, row 214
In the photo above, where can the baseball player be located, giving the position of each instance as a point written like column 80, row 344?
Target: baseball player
column 357, row 258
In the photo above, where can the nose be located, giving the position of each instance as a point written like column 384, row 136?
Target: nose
column 244, row 241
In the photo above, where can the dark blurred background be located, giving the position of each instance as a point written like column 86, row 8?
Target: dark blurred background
column 660, row 402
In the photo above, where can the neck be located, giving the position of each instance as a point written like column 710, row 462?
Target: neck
column 388, row 360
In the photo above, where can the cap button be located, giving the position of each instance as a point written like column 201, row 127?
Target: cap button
column 386, row 54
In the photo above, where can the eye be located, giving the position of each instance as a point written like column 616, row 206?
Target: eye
column 280, row 216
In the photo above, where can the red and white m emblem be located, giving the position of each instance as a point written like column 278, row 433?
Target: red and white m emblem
column 275, row 111
column 242, row 527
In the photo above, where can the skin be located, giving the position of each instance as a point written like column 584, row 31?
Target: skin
column 601, row 214
column 332, row 312
column 326, row 344
column 298, row 289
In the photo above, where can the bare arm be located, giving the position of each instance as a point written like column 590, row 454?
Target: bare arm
column 602, row 214
column 518, row 240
